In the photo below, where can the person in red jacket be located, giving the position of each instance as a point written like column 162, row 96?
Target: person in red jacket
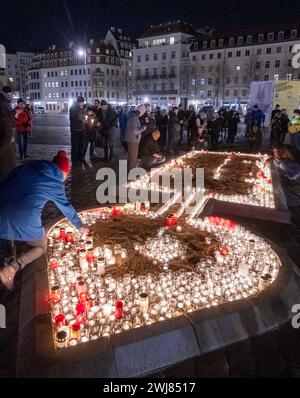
column 23, row 127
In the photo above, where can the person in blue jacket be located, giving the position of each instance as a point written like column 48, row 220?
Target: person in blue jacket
column 23, row 194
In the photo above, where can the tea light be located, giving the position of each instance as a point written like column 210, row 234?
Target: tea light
column 144, row 302
column 111, row 261
column 55, row 293
column 119, row 309
column 107, row 310
column 61, row 339
column 56, row 232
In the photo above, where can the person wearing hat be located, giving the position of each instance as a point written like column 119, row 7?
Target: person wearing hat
column 7, row 123
column 23, row 195
column 77, row 113
column 23, row 126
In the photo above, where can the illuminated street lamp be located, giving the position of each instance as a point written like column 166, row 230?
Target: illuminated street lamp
column 82, row 53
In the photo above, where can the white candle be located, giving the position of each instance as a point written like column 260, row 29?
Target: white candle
column 100, row 266
column 84, row 265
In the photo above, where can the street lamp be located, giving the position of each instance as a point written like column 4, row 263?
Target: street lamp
column 82, row 53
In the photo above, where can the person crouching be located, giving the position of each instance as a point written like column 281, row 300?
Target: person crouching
column 149, row 151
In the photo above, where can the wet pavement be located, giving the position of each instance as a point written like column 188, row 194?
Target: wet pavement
column 275, row 354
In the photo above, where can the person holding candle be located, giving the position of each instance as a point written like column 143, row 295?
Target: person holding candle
column 23, row 195
column 92, row 126
column 149, row 151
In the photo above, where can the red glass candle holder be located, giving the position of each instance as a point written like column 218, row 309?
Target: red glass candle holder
column 69, row 237
column 90, row 256
column 62, row 234
column 55, row 294
column 60, row 320
column 119, row 309
column 53, row 264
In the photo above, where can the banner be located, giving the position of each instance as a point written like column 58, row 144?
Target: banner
column 262, row 94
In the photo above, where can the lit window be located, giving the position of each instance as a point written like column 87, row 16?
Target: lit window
column 238, row 67
column 172, row 40
column 276, row 77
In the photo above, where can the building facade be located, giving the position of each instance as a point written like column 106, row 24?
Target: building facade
column 223, row 65
column 17, row 65
column 161, row 64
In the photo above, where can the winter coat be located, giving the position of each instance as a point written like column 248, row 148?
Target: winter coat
column 174, row 125
column 148, row 146
column 108, row 120
column 23, row 194
column 214, row 126
column 257, row 117
column 133, row 129
column 77, row 117
column 23, row 121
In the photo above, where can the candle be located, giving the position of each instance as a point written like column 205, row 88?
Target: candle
column 81, row 287
column 80, row 313
column 90, row 256
column 74, row 332
column 147, row 205
column 61, row 339
column 144, row 302
column 60, row 321
column 69, row 237
column 107, row 310
column 84, row 265
column 55, row 293
column 111, row 261
column 62, row 234
column 56, row 232
column 53, row 263
column 101, row 266
column 119, row 309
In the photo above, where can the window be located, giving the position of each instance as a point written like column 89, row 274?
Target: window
column 203, row 57
column 266, row 77
column 195, row 46
column 164, row 55
column 154, row 57
column 258, row 52
column 230, row 54
column 236, row 79
column 202, row 81
column 280, row 35
column 194, row 58
column 277, row 63
column 235, row 93
column 172, row 86
column 210, row 68
column 269, row 50
column 172, row 40
column 240, row 40
column 227, row 80
column 213, row 44
column 278, row 50
column 247, row 53
column 261, row 37
column 139, row 58
column 211, row 56
column 219, row 55
column 238, row 53
column 209, row 81
column 205, row 44
column 227, row 93
column 294, row 33
column 276, row 77
column 147, row 57
column 209, row 93
column 155, row 71
column 270, row 36
column 289, row 76
column 267, row 64
column 193, row 82
column 173, row 55
column 244, row 93
column 231, row 41
column 237, row 67
column 249, row 39
column 221, row 42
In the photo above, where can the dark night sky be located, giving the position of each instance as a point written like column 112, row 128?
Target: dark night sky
column 44, row 22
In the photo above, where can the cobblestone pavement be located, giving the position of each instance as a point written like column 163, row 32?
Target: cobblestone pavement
column 275, row 354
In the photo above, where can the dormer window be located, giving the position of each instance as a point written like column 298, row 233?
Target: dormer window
column 205, row 44
column 261, row 37
column 249, row 39
column 270, row 36
column 240, row 40
column 280, row 35
column 231, row 41
column 213, row 44
column 221, row 42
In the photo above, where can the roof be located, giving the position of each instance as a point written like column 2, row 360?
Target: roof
column 120, row 35
column 169, row 28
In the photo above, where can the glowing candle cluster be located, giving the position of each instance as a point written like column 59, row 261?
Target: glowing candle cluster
column 87, row 302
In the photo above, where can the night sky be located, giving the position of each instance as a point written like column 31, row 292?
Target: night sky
column 41, row 23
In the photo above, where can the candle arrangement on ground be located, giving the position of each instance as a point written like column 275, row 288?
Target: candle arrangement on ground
column 138, row 267
column 233, row 177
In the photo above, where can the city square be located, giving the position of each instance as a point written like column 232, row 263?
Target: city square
column 190, row 269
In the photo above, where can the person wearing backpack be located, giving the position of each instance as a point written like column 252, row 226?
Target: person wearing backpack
column 23, row 126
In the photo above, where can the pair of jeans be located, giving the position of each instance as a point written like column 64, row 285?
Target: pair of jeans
column 22, row 139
